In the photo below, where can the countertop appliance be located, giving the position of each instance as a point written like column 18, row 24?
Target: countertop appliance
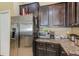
column 52, row 35
column 77, row 40
column 21, row 35
column 44, row 35
column 43, row 32
column 73, row 37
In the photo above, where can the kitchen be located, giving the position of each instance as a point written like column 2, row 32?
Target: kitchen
column 55, row 29
column 60, row 21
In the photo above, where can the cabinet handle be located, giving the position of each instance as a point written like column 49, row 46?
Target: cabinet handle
column 40, row 44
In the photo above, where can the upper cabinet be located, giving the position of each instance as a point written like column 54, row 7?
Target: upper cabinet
column 71, row 14
column 57, row 14
column 64, row 14
column 60, row 14
column 43, row 15
column 52, row 15
column 77, row 13
column 29, row 8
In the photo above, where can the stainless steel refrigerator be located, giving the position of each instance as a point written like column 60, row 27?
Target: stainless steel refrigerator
column 21, row 35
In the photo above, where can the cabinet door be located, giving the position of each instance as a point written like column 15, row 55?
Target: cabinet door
column 40, row 49
column 62, row 52
column 57, row 15
column 52, row 49
column 23, row 10
column 43, row 15
column 33, row 7
column 71, row 16
column 77, row 13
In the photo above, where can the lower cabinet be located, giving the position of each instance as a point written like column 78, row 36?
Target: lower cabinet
column 52, row 49
column 49, row 49
column 62, row 53
column 40, row 52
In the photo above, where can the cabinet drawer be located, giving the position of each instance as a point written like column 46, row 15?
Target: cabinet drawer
column 40, row 45
column 54, row 46
column 63, row 53
column 51, row 53
column 47, row 49
column 40, row 52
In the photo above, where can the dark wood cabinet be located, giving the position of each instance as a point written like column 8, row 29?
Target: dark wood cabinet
column 52, row 49
column 26, row 9
column 40, row 49
column 71, row 14
column 33, row 7
column 47, row 49
column 43, row 15
column 57, row 14
column 52, row 15
column 77, row 13
column 62, row 52
column 64, row 14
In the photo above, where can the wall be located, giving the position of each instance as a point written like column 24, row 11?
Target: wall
column 6, row 6
column 14, row 6
column 75, row 30
column 5, row 33
column 64, row 31
column 59, row 31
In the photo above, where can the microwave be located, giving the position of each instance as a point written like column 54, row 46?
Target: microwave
column 44, row 35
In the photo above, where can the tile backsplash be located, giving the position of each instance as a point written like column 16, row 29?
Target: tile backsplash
column 75, row 30
column 60, row 32
column 63, row 31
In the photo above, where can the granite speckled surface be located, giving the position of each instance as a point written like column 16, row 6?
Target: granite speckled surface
column 69, row 46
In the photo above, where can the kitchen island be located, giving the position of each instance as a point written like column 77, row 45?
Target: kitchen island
column 68, row 46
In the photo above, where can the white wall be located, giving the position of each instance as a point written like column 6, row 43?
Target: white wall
column 6, row 6
column 5, row 33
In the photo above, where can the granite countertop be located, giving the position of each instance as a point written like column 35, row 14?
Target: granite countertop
column 67, row 45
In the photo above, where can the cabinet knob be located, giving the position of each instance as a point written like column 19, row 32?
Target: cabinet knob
column 72, row 24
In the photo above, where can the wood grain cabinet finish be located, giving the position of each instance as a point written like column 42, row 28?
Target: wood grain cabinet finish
column 57, row 15
column 49, row 49
column 40, row 49
column 52, row 15
column 71, row 14
column 52, row 49
column 26, row 9
column 43, row 15
column 64, row 14
column 62, row 52
column 77, row 13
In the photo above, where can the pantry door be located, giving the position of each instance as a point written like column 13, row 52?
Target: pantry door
column 5, row 33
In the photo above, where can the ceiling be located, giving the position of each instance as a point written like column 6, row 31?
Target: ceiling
column 41, row 3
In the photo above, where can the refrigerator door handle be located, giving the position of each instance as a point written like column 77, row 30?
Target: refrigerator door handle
column 18, row 35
